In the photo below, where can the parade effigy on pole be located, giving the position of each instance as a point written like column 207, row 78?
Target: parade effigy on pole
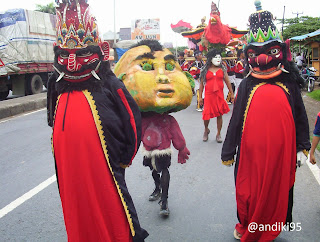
column 215, row 34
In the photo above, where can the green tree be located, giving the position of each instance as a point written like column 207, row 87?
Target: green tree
column 180, row 48
column 300, row 26
column 49, row 8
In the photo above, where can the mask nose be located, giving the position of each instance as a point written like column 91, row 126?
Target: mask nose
column 162, row 79
column 263, row 59
column 72, row 63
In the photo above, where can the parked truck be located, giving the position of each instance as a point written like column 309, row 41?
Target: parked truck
column 26, row 51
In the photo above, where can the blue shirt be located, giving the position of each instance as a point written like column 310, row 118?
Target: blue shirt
column 316, row 131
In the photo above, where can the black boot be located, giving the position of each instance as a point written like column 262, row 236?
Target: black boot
column 155, row 195
column 164, row 210
column 157, row 191
column 165, row 180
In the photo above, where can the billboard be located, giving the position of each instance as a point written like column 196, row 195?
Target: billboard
column 145, row 29
column 125, row 34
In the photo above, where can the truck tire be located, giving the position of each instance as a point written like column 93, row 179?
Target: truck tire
column 35, row 84
column 4, row 95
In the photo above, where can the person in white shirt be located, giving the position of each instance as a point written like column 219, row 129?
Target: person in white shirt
column 299, row 60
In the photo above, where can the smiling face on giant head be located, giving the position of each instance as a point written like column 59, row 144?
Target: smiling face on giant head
column 154, row 79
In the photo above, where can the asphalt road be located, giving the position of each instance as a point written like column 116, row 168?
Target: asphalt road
column 201, row 195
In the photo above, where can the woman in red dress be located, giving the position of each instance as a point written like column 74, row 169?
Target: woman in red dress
column 212, row 78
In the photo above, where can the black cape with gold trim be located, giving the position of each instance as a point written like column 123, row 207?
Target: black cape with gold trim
column 232, row 143
column 266, row 143
column 118, row 122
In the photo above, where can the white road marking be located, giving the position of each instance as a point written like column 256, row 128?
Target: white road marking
column 21, row 115
column 7, row 209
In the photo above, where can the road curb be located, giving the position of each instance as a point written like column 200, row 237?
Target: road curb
column 16, row 106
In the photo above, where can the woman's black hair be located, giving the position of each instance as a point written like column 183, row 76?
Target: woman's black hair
column 210, row 55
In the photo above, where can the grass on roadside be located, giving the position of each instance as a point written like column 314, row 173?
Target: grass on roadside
column 315, row 95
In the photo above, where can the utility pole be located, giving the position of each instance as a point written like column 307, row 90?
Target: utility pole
column 284, row 10
column 114, row 22
column 297, row 13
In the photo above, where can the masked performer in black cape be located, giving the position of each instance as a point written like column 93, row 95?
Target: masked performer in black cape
column 96, row 132
column 268, row 131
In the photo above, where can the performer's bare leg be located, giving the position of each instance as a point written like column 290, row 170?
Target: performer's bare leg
column 219, row 127
column 206, row 129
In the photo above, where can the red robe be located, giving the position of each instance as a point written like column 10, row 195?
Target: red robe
column 92, row 206
column 267, row 164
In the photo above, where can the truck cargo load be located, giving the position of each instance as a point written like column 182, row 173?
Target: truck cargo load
column 26, row 51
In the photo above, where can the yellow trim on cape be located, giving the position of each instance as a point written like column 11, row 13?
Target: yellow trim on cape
column 249, row 102
column 54, row 117
column 97, row 121
column 306, row 152
column 280, row 84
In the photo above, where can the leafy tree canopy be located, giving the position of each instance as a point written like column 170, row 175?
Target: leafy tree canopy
column 49, row 8
column 299, row 26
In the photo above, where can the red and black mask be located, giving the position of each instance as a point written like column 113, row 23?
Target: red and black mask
column 77, row 65
column 266, row 61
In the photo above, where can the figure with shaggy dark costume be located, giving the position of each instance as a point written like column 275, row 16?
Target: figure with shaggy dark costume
column 96, row 132
column 155, row 79
column 268, row 131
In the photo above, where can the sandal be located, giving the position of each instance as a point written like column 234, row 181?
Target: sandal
column 237, row 235
column 219, row 139
column 205, row 135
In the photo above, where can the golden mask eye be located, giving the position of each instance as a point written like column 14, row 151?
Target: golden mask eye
column 169, row 67
column 274, row 51
column 146, row 66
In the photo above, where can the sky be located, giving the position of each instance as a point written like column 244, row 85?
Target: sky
column 232, row 12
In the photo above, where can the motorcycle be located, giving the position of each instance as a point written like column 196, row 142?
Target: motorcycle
column 308, row 74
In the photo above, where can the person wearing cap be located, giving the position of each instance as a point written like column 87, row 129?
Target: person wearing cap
column 203, row 23
column 195, row 70
column 268, row 132
column 299, row 60
column 96, row 132
column 239, row 69
column 181, row 58
column 230, row 65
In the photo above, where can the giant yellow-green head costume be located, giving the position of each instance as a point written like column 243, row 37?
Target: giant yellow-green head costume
column 154, row 78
